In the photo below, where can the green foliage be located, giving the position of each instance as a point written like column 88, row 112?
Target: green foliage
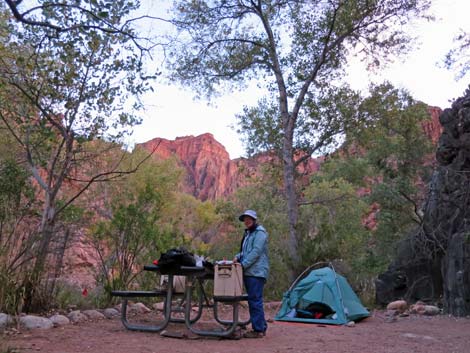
column 260, row 127
column 196, row 219
column 391, row 130
column 332, row 222
column 384, row 165
column 355, row 169
column 322, row 120
column 232, row 41
column 136, row 231
column 136, row 218
column 14, row 187
column 17, row 209
column 83, row 76
column 399, row 154
column 68, row 75
column 333, row 231
column 68, row 296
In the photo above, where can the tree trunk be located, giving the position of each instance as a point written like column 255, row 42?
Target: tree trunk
column 291, row 197
column 33, row 299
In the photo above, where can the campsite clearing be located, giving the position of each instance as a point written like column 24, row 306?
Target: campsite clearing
column 418, row 334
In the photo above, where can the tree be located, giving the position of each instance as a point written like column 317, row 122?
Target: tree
column 195, row 218
column 17, row 221
column 369, row 195
column 458, row 57
column 60, row 89
column 397, row 148
column 134, row 230
column 388, row 157
column 298, row 47
column 333, row 230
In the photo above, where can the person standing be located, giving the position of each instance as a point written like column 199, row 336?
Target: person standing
column 253, row 257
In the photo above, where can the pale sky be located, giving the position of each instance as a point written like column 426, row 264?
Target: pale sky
column 171, row 111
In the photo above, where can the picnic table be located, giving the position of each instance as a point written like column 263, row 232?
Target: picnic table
column 195, row 280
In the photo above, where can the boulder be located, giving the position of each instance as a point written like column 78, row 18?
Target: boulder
column 93, row 314
column 139, row 308
column 36, row 322
column 399, row 305
column 412, row 275
column 59, row 320
column 76, row 316
column 159, row 306
column 431, row 310
column 418, row 308
column 5, row 320
column 109, row 313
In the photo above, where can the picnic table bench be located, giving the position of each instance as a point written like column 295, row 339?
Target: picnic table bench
column 195, row 276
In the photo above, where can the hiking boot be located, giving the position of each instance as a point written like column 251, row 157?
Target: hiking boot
column 236, row 335
column 253, row 334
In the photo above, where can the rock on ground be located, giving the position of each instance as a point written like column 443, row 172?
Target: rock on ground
column 59, row 320
column 398, row 305
column 110, row 313
column 93, row 314
column 139, row 308
column 5, row 320
column 35, row 322
column 159, row 306
column 76, row 316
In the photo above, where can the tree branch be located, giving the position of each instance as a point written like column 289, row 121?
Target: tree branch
column 105, row 176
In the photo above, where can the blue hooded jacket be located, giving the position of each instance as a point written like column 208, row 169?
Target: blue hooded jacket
column 254, row 259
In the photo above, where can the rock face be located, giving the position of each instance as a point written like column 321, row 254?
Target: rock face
column 433, row 127
column 206, row 161
column 434, row 261
column 211, row 173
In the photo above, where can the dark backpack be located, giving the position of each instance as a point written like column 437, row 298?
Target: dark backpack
column 173, row 259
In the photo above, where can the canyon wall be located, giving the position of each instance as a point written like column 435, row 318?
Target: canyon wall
column 210, row 173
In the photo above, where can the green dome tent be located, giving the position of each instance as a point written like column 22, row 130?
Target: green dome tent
column 321, row 296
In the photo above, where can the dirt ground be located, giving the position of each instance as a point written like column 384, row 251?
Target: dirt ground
column 376, row 334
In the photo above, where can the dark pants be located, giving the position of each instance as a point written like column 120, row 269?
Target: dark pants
column 254, row 288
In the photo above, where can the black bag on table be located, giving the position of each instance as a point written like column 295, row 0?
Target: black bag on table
column 173, row 259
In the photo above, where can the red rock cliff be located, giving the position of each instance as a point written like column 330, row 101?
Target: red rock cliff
column 210, row 172
column 208, row 166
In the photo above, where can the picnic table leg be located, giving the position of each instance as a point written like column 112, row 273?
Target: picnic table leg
column 150, row 328
column 227, row 322
column 214, row 333
column 201, row 297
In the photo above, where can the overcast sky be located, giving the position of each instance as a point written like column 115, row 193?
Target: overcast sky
column 171, row 111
